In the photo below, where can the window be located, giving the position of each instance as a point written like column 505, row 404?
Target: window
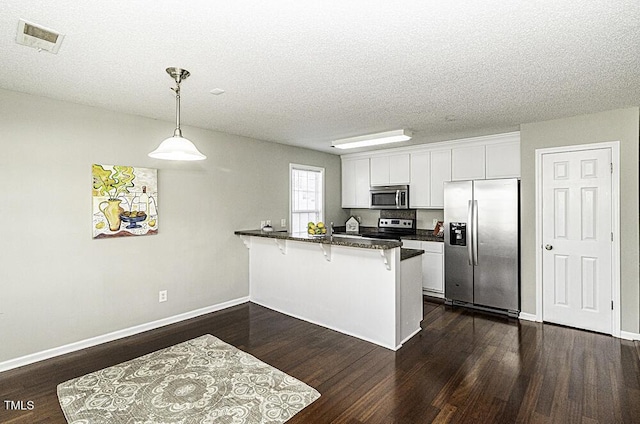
column 306, row 196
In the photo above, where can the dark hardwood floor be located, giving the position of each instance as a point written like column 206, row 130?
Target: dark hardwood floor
column 463, row 367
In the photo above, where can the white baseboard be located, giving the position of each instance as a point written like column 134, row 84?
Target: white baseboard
column 432, row 294
column 629, row 336
column 623, row 334
column 416, row 331
column 83, row 344
column 528, row 317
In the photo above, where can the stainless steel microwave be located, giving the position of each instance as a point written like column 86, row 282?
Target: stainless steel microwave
column 389, row 197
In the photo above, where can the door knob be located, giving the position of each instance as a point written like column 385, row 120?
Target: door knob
column 548, row 247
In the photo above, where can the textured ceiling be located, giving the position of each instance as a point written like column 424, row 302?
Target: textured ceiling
column 306, row 72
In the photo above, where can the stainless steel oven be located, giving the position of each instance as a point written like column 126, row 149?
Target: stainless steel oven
column 389, row 197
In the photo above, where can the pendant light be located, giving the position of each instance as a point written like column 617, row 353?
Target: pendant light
column 177, row 147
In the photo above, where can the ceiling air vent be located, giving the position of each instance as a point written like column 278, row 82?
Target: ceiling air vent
column 38, row 37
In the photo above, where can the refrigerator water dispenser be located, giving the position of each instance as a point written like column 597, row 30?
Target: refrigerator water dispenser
column 458, row 233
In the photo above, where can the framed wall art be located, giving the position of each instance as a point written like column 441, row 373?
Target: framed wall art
column 125, row 201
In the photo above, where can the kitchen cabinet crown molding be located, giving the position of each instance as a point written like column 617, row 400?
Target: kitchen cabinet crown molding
column 513, row 136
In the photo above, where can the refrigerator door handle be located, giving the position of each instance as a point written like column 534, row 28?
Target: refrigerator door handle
column 469, row 235
column 474, row 230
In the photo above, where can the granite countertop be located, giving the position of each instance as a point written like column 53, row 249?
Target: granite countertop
column 365, row 243
column 421, row 235
column 427, row 235
column 410, row 253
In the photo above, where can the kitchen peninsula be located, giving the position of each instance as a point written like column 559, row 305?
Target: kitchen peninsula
column 367, row 288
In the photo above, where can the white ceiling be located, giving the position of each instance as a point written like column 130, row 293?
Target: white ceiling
column 305, row 72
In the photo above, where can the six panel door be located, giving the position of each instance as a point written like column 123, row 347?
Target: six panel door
column 577, row 246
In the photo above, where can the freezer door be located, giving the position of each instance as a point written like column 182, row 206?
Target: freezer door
column 497, row 273
column 458, row 271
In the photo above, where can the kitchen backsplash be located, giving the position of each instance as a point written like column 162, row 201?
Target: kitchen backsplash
column 424, row 217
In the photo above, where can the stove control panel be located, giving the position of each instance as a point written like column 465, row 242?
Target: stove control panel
column 407, row 224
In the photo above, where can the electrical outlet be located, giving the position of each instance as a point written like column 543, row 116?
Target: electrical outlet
column 262, row 224
column 435, row 222
column 283, row 222
column 268, row 222
column 162, row 296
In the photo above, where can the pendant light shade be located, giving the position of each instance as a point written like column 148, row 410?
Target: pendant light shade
column 177, row 147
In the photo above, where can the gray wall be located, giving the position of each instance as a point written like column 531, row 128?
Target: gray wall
column 616, row 125
column 59, row 286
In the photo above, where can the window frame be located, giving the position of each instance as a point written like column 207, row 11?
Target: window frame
column 297, row 166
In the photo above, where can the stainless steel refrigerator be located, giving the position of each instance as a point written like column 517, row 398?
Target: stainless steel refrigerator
column 482, row 244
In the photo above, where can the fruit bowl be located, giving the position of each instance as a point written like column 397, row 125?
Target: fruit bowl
column 316, row 230
column 133, row 220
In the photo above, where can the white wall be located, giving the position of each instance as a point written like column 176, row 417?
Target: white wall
column 58, row 285
column 616, row 125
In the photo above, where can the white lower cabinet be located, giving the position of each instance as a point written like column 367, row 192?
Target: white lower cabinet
column 432, row 265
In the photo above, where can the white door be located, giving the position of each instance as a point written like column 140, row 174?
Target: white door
column 576, row 239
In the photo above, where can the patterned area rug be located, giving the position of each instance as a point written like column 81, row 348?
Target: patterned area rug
column 203, row 380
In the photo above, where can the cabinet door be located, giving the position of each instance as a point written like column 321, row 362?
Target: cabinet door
column 399, row 169
column 467, row 163
column 348, row 183
column 355, row 183
column 361, row 183
column 433, row 271
column 420, row 184
column 503, row 160
column 440, row 172
column 379, row 170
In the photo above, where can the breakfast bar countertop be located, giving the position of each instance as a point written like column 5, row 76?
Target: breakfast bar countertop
column 338, row 240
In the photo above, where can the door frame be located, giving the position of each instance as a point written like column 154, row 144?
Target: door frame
column 615, row 224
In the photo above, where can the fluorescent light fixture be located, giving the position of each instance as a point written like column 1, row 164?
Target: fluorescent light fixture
column 372, row 139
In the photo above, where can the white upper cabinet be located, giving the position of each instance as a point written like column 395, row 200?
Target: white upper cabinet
column 503, row 160
column 440, row 172
column 487, row 158
column 467, row 163
column 390, row 169
column 426, row 167
column 379, row 170
column 399, row 169
column 355, row 183
column 420, row 187
column 429, row 171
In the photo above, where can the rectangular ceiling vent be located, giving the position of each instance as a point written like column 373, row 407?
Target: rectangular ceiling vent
column 38, row 37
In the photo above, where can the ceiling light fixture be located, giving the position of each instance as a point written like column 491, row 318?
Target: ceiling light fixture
column 177, row 147
column 372, row 139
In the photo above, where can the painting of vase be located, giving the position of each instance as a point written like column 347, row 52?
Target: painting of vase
column 125, row 201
